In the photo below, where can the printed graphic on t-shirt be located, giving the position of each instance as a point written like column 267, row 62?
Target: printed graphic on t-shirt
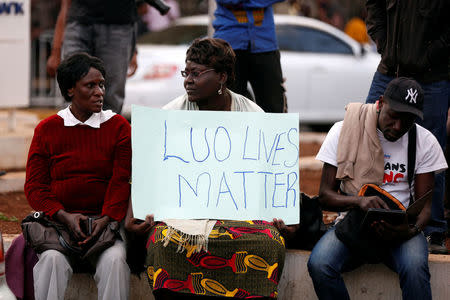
column 393, row 172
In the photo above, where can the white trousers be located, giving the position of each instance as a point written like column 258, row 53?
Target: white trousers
column 112, row 275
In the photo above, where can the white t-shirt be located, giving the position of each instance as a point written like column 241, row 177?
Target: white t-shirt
column 429, row 158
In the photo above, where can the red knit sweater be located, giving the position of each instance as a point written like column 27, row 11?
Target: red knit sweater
column 80, row 169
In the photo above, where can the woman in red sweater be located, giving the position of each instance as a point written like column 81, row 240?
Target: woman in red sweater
column 79, row 165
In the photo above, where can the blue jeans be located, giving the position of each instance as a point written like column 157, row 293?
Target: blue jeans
column 330, row 257
column 436, row 104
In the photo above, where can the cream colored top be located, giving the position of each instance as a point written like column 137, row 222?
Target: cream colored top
column 238, row 103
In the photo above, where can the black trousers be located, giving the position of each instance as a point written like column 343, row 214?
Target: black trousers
column 263, row 71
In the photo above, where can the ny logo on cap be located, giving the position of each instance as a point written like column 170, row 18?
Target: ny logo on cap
column 412, row 94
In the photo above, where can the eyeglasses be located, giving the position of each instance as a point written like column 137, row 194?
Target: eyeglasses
column 194, row 74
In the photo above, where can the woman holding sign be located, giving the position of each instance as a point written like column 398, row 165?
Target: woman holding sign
column 211, row 258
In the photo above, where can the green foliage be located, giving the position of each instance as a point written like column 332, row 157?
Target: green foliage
column 3, row 217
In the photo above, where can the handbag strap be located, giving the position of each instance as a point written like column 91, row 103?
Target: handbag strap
column 412, row 134
column 43, row 219
column 64, row 243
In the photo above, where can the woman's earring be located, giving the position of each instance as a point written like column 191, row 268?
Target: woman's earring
column 220, row 90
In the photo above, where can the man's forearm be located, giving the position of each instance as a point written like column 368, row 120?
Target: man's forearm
column 58, row 35
column 334, row 201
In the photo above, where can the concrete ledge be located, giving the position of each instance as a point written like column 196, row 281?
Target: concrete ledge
column 15, row 144
column 12, row 182
column 367, row 282
column 82, row 286
column 18, row 118
column 15, row 148
column 310, row 163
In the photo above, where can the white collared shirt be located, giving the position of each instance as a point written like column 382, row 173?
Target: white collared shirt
column 94, row 120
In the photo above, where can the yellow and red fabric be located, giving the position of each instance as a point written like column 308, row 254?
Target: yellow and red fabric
column 244, row 260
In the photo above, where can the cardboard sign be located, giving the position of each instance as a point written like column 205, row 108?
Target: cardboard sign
column 215, row 165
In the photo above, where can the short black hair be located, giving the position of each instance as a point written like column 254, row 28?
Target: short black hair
column 75, row 67
column 214, row 53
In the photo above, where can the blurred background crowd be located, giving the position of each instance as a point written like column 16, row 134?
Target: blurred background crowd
column 347, row 15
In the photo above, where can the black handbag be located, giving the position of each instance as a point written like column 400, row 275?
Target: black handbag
column 357, row 237
column 43, row 233
column 311, row 224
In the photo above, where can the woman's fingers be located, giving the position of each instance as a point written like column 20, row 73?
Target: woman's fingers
column 149, row 219
column 75, row 225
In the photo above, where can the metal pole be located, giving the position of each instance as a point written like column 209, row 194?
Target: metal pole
column 42, row 65
column 12, row 120
column 211, row 9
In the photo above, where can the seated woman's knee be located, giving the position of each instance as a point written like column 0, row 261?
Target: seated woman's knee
column 54, row 256
column 115, row 254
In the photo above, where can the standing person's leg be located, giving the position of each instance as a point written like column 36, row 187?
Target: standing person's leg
column 329, row 258
column 266, row 78
column 241, row 71
column 435, row 120
column 379, row 84
column 410, row 261
column 114, row 45
column 51, row 276
column 112, row 273
column 77, row 38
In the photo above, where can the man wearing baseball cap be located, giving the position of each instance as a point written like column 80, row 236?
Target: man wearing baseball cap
column 403, row 97
column 371, row 147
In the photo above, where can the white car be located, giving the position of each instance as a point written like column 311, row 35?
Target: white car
column 323, row 67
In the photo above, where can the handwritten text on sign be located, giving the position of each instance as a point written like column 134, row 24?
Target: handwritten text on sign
column 216, row 165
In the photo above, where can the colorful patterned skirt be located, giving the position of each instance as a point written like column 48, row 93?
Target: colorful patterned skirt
column 244, row 260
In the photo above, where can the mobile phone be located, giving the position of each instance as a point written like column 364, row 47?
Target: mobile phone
column 89, row 228
column 86, row 226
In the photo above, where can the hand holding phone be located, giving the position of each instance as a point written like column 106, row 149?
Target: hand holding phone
column 86, row 226
column 393, row 217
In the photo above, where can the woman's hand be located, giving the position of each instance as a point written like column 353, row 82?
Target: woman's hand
column 287, row 231
column 98, row 225
column 138, row 226
column 73, row 223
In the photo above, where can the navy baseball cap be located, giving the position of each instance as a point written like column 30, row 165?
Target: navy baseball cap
column 405, row 95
